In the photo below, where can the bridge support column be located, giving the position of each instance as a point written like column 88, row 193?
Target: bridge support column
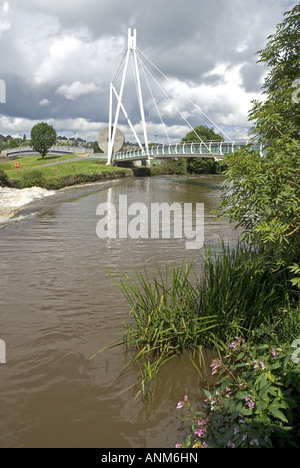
column 131, row 51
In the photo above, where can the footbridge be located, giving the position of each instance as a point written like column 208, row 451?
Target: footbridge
column 206, row 149
column 13, row 153
column 111, row 139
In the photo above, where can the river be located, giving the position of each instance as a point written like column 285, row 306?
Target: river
column 58, row 306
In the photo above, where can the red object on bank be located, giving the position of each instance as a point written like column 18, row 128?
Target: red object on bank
column 17, row 165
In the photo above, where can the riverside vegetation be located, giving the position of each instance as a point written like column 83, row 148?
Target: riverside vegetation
column 32, row 172
column 245, row 305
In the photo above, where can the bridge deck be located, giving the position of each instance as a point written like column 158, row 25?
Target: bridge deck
column 27, row 150
column 209, row 149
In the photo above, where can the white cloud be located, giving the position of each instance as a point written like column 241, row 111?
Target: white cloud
column 44, row 102
column 76, row 89
column 5, row 7
column 5, row 24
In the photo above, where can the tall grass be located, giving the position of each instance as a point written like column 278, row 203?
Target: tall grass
column 182, row 312
column 243, row 295
column 164, row 320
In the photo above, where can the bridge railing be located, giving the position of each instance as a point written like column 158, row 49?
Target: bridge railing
column 57, row 149
column 209, row 148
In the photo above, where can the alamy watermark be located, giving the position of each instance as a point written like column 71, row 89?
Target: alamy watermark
column 296, row 93
column 2, row 92
column 159, row 221
column 2, row 352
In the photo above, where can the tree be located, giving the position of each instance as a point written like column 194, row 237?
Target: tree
column 262, row 194
column 205, row 134
column 278, row 115
column 199, row 165
column 43, row 136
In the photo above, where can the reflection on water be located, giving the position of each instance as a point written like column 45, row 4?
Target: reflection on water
column 58, row 306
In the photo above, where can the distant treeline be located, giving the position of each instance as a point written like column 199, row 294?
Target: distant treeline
column 7, row 142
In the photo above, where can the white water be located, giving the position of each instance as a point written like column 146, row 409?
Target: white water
column 12, row 200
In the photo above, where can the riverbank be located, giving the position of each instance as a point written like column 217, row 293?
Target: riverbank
column 58, row 176
column 35, row 172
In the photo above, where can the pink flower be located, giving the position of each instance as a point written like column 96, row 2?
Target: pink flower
column 200, row 432
column 180, row 405
column 274, row 352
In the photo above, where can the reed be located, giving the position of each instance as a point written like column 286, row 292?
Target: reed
column 164, row 320
column 182, row 312
column 243, row 294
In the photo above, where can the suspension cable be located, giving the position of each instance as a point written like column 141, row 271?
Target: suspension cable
column 188, row 99
column 154, row 100
column 186, row 121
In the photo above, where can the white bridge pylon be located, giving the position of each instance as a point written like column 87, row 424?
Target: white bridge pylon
column 131, row 52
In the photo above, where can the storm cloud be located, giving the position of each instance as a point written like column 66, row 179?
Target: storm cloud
column 58, row 59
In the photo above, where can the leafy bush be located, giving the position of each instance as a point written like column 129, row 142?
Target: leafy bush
column 202, row 166
column 4, row 182
column 33, row 178
column 170, row 167
column 76, row 179
column 255, row 403
column 262, row 196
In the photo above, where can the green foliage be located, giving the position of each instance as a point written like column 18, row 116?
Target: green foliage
column 165, row 323
column 4, row 182
column 198, row 165
column 296, row 270
column 261, row 194
column 179, row 312
column 43, row 136
column 205, row 134
column 278, row 114
column 242, row 293
column 170, row 167
column 255, row 402
column 32, row 178
column 9, row 142
column 56, row 183
column 202, row 166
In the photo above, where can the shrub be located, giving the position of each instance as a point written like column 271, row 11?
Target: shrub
column 255, row 403
column 202, row 166
column 4, row 182
column 76, row 179
column 32, row 178
column 170, row 167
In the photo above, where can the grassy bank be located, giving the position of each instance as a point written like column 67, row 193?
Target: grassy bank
column 28, row 162
column 56, row 172
column 35, row 171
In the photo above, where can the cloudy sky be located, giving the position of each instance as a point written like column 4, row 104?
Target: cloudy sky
column 58, row 58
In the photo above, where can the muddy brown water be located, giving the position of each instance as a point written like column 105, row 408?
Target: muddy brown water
column 58, row 306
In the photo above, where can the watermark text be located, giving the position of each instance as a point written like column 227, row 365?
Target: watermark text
column 2, row 352
column 157, row 221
